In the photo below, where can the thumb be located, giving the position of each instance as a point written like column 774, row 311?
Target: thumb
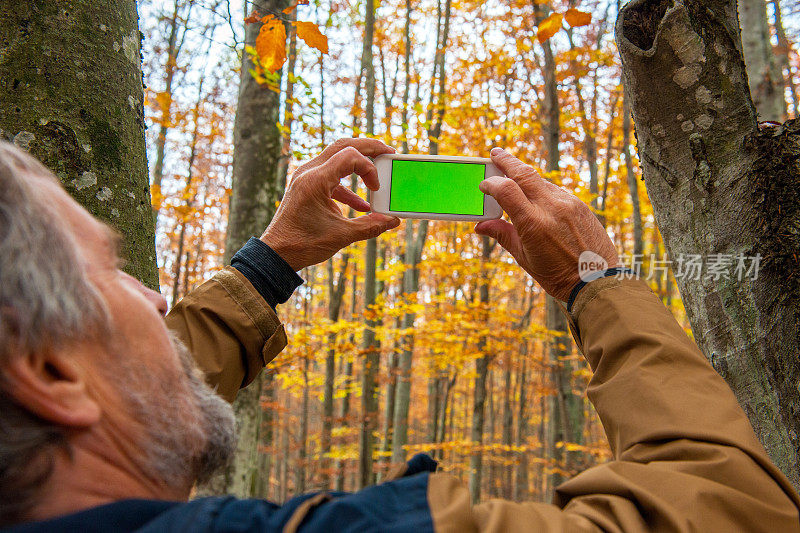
column 505, row 233
column 509, row 195
column 370, row 226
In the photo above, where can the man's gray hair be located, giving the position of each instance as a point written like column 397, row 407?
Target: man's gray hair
column 46, row 301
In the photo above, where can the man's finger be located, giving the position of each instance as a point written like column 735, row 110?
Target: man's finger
column 348, row 197
column 505, row 233
column 344, row 163
column 531, row 183
column 368, row 147
column 370, row 226
column 509, row 195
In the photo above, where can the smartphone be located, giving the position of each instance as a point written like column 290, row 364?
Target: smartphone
column 434, row 187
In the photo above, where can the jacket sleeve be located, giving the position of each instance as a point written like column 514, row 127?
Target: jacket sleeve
column 230, row 330
column 684, row 456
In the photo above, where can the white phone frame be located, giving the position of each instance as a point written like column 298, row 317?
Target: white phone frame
column 380, row 199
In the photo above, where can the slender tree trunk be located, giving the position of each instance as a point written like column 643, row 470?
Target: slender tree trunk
column 481, row 371
column 288, row 114
column 173, row 49
column 766, row 83
column 370, row 343
column 560, row 345
column 187, row 194
column 521, row 485
column 784, row 51
column 71, row 93
column 336, row 286
column 391, row 391
column 284, row 480
column 415, row 244
column 508, row 435
column 256, row 145
column 720, row 184
column 302, row 454
column 633, row 184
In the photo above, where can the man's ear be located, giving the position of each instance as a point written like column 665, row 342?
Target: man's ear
column 52, row 385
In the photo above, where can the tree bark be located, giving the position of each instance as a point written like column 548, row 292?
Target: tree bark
column 370, row 344
column 416, row 242
column 336, row 286
column 288, row 114
column 71, row 92
column 720, row 184
column 766, row 82
column 173, row 49
column 633, row 183
column 563, row 407
column 784, row 51
column 481, row 372
column 256, row 146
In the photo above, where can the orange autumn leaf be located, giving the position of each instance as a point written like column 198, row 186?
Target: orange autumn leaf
column 577, row 18
column 288, row 10
column 549, row 27
column 254, row 17
column 271, row 44
column 309, row 32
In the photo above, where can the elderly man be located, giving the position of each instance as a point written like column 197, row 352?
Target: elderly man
column 106, row 421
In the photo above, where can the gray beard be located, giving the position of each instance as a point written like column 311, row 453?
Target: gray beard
column 189, row 437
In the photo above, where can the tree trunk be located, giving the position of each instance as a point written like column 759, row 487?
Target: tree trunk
column 766, row 82
column 370, row 344
column 563, row 405
column 521, row 485
column 416, row 243
column 183, row 218
column 173, row 49
column 481, row 371
column 302, row 451
column 719, row 184
column 336, row 286
column 71, row 93
column 391, row 391
column 784, row 51
column 256, row 145
column 633, row 184
column 507, row 435
column 288, row 114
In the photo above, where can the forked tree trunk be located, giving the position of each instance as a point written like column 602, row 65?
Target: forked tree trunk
column 719, row 184
column 71, row 95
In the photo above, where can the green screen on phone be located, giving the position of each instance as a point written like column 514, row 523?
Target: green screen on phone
column 436, row 187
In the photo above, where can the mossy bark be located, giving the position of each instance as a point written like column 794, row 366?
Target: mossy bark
column 721, row 184
column 71, row 94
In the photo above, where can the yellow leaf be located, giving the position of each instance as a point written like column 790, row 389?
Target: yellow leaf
column 577, row 18
column 271, row 44
column 549, row 27
column 309, row 32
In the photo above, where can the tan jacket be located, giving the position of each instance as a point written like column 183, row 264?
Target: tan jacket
column 685, row 456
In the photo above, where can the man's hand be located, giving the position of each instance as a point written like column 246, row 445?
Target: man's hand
column 550, row 228
column 309, row 227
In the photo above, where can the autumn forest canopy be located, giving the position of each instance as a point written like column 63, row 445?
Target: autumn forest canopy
column 430, row 338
